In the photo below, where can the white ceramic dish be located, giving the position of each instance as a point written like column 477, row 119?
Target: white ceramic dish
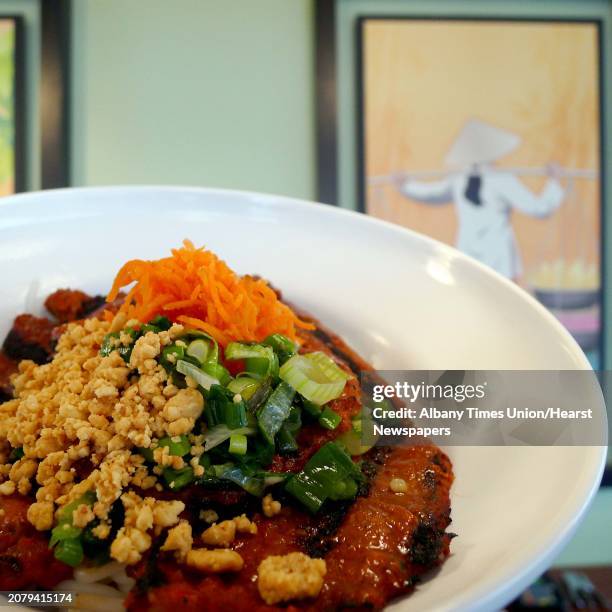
column 400, row 299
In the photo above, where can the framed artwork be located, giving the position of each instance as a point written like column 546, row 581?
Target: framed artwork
column 486, row 134
column 11, row 118
column 20, row 94
column 55, row 93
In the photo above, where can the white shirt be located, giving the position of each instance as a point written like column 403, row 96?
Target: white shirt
column 485, row 231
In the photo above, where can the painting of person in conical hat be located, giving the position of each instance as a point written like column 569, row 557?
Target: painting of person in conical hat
column 485, row 196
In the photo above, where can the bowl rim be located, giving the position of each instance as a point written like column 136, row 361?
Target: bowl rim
column 483, row 598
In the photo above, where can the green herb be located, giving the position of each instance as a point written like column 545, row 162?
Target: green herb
column 314, row 376
column 177, row 479
column 282, row 346
column 275, row 411
column 238, row 444
column 244, row 386
column 329, row 419
column 246, row 478
column 69, row 552
column 188, row 369
column 259, row 359
column 329, row 474
column 178, row 448
column 171, row 354
column 16, row 454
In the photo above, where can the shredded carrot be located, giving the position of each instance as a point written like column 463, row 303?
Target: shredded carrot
column 196, row 288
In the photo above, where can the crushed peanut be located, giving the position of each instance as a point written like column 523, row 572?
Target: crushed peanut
column 179, row 539
column 83, row 405
column 220, row 534
column 40, row 514
column 292, row 576
column 245, row 525
column 209, row 516
column 214, row 561
column 270, row 507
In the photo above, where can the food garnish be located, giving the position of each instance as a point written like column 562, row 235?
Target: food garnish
column 194, row 287
column 195, row 423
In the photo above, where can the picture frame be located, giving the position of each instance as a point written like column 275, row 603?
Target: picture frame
column 14, row 134
column 335, row 25
column 55, row 93
column 40, row 149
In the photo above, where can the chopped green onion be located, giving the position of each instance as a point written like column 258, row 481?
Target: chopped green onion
column 329, row 474
column 235, row 415
column 178, row 448
column 171, row 355
column 221, row 468
column 216, row 370
column 311, row 408
column 285, row 441
column 360, row 438
column 238, row 444
column 243, row 477
column 261, row 395
column 283, row 346
column 147, row 453
column 69, row 552
column 161, row 322
column 329, row 418
column 244, row 386
column 87, row 498
column 16, row 454
column 108, row 346
column 188, row 369
column 64, row 531
column 285, row 438
column 220, row 433
column 273, row 478
column 273, row 413
column 199, row 349
column 212, row 355
column 177, row 479
column 259, row 359
column 64, row 528
column 314, row 376
column 344, row 489
column 222, row 409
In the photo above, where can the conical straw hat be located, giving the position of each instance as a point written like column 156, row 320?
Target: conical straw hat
column 479, row 142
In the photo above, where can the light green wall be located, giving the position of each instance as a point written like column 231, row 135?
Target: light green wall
column 198, row 92
column 592, row 544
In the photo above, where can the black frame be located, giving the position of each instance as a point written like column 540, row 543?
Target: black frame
column 54, row 96
column 327, row 126
column 55, row 93
column 19, row 174
column 326, row 102
column 360, row 96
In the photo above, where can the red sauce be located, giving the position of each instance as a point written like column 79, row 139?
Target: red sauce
column 372, row 553
column 25, row 559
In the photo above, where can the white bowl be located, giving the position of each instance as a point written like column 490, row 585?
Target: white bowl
column 402, row 300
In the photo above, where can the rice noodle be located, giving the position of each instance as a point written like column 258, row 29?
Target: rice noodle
column 95, row 574
column 100, row 588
